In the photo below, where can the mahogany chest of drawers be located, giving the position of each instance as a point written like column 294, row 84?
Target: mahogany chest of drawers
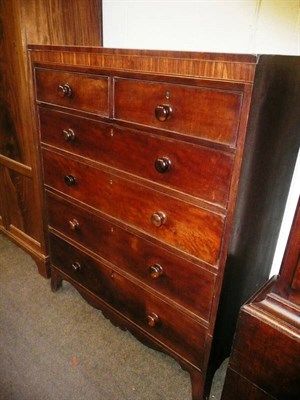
column 142, row 156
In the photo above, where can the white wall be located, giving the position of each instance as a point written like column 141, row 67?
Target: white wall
column 239, row 26
column 287, row 220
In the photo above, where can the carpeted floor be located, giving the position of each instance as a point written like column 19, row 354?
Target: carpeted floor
column 55, row 346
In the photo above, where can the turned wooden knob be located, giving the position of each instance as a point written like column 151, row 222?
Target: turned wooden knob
column 76, row 266
column 68, row 135
column 64, row 90
column 163, row 112
column 156, row 271
column 70, row 180
column 162, row 164
column 153, row 319
column 73, row 224
column 158, row 218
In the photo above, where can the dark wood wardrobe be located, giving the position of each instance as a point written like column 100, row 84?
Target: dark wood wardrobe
column 40, row 22
column 265, row 358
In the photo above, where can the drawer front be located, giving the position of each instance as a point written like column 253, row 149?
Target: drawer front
column 153, row 265
column 195, row 111
column 196, row 170
column 185, row 226
column 171, row 327
column 238, row 386
column 73, row 90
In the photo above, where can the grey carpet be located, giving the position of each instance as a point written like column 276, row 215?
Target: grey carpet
column 55, row 346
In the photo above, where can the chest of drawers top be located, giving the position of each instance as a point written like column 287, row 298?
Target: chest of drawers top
column 193, row 94
column 190, row 94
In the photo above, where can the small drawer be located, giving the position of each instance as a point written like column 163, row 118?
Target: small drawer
column 156, row 267
column 73, row 90
column 169, row 162
column 161, row 321
column 185, row 226
column 190, row 110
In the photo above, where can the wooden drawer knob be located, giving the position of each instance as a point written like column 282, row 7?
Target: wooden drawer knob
column 162, row 164
column 68, row 135
column 163, row 112
column 76, row 266
column 70, row 180
column 64, row 90
column 73, row 224
column 156, row 271
column 153, row 319
column 158, row 218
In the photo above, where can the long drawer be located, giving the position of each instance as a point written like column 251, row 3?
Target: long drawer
column 156, row 158
column 73, row 90
column 201, row 112
column 164, row 323
column 185, row 226
column 156, row 267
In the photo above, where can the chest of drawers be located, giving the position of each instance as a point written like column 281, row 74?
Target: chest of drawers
column 142, row 157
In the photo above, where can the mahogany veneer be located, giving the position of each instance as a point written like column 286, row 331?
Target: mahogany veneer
column 142, row 155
